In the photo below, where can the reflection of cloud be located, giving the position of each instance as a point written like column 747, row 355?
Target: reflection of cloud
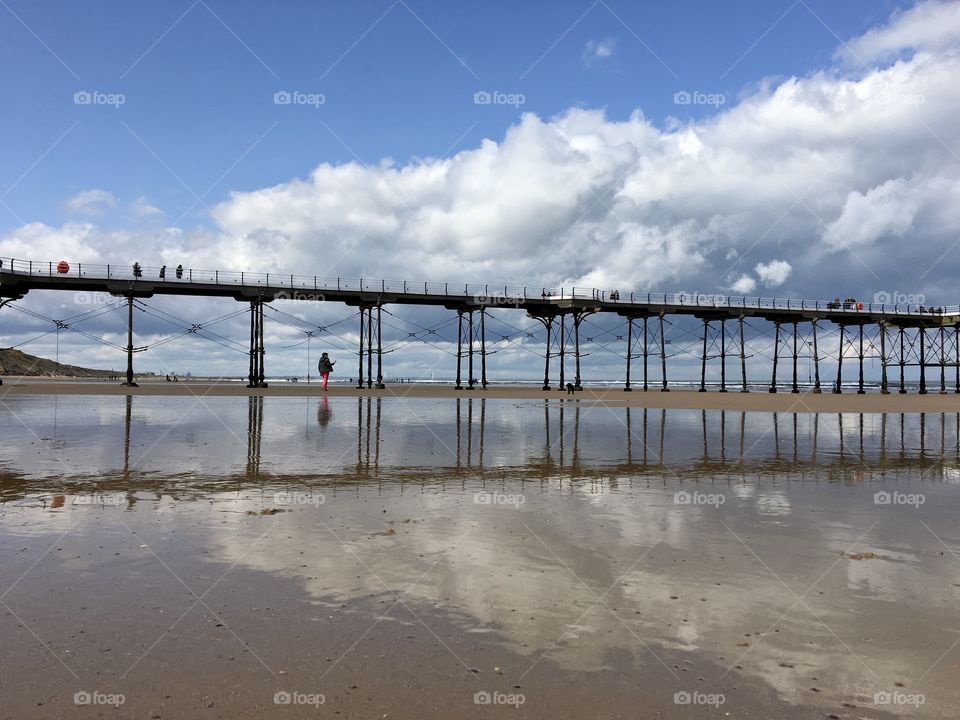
column 535, row 575
column 773, row 502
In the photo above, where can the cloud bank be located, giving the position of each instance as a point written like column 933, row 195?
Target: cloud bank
column 842, row 181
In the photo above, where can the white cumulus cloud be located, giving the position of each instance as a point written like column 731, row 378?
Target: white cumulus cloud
column 773, row 273
column 91, row 201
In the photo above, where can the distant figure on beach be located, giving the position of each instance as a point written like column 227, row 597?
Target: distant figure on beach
column 325, row 367
column 323, row 413
column 179, row 272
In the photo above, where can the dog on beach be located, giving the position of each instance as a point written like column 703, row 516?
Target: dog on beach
column 570, row 388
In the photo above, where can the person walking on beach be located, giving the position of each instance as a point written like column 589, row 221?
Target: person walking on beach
column 325, row 367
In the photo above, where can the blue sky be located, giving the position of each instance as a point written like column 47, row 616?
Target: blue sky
column 797, row 148
column 198, row 80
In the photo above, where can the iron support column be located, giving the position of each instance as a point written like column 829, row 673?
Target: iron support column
column 663, row 357
column 380, row 385
column 723, row 356
column 860, row 354
column 838, row 389
column 646, row 354
column 626, row 386
column 884, row 388
column 923, row 363
column 577, row 317
column 943, row 362
column 816, row 362
column 956, row 357
column 483, row 353
column 903, row 388
column 470, row 351
column 548, row 325
column 130, row 382
column 563, row 341
column 776, row 355
column 459, row 386
column 369, row 348
column 703, row 359
column 795, row 388
column 360, row 353
column 743, row 359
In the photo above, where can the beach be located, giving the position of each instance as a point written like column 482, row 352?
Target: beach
column 757, row 401
column 417, row 556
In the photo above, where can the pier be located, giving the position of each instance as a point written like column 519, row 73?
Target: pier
column 902, row 336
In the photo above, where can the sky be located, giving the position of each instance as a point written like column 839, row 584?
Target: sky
column 803, row 149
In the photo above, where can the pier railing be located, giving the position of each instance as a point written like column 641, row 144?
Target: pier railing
column 491, row 294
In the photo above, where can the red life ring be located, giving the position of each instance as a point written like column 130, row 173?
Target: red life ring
column 63, row 267
column 859, row 306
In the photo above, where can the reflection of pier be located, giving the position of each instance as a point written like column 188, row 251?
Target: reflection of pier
column 643, row 441
column 254, row 434
column 483, row 439
column 369, row 411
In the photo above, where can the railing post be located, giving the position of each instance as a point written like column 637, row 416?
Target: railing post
column 404, row 287
column 383, row 285
column 108, row 272
column 216, row 276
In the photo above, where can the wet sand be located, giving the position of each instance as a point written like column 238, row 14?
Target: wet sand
column 756, row 401
column 398, row 558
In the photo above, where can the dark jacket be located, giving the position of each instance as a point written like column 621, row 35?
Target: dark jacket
column 325, row 365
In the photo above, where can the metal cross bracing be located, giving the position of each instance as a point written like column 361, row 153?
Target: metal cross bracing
column 647, row 339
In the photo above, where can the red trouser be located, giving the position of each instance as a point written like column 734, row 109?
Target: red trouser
column 325, row 376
